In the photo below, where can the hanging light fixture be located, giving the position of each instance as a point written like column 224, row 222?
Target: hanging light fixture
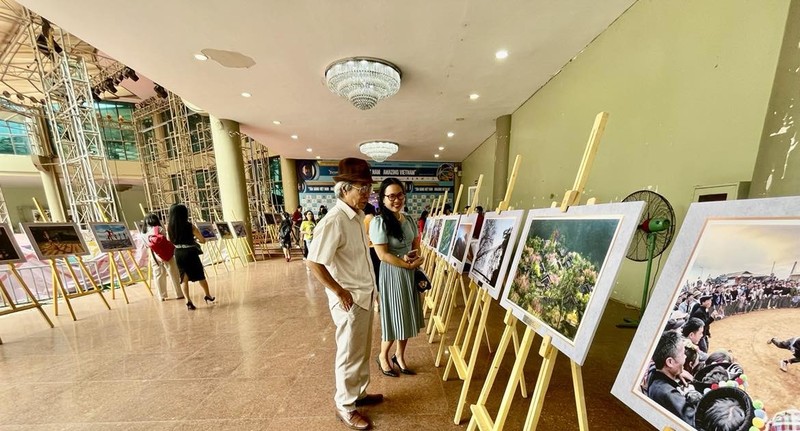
column 378, row 150
column 363, row 80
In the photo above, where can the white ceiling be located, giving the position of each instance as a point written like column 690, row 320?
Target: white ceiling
column 445, row 49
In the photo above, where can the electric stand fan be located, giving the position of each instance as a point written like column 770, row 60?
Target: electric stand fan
column 652, row 237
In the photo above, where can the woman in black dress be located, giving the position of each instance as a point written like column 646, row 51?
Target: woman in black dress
column 186, row 236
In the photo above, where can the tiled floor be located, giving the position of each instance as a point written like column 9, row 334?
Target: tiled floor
column 261, row 358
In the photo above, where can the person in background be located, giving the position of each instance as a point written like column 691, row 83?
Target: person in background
column 285, row 234
column 339, row 260
column 297, row 218
column 162, row 267
column 792, row 345
column 307, row 229
column 423, row 218
column 322, row 211
column 369, row 214
column 447, row 209
column 394, row 235
column 478, row 221
column 186, row 237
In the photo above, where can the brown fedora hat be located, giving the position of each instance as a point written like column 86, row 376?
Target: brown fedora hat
column 354, row 170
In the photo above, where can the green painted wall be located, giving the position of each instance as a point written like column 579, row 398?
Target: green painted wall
column 481, row 161
column 19, row 203
column 687, row 86
column 777, row 170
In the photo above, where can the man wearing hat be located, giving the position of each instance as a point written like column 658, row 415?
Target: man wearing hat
column 701, row 311
column 339, row 259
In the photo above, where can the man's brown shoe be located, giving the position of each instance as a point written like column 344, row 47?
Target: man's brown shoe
column 370, row 400
column 353, row 420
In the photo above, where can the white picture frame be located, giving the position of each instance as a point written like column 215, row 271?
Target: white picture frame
column 112, row 236
column 10, row 252
column 55, row 240
column 462, row 241
column 693, row 242
column 611, row 226
column 488, row 270
column 207, row 230
column 446, row 236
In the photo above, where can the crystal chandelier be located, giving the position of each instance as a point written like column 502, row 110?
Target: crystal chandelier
column 363, row 80
column 378, row 150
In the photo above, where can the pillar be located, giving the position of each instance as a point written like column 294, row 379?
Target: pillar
column 230, row 172
column 52, row 194
column 500, row 179
column 291, row 198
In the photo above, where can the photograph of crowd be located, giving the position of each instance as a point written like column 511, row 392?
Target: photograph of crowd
column 733, row 325
column 207, row 230
column 53, row 240
column 9, row 249
column 224, row 230
column 112, row 236
column 557, row 267
column 446, row 237
column 493, row 253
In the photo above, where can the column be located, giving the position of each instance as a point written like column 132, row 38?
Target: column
column 230, row 172
column 500, row 179
column 291, row 198
column 52, row 194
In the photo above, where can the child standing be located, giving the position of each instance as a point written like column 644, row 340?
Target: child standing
column 307, row 229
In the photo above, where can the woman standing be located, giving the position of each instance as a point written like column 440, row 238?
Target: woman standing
column 394, row 236
column 163, row 262
column 285, row 235
column 186, row 236
column 307, row 229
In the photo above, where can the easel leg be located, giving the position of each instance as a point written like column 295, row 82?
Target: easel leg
column 515, row 339
column 146, row 281
column 473, row 359
column 58, row 282
column 115, row 275
column 465, row 328
column 549, row 353
column 91, row 280
column 580, row 398
column 450, row 306
column 30, row 294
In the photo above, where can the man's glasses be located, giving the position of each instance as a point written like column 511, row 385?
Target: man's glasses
column 364, row 190
column 396, row 196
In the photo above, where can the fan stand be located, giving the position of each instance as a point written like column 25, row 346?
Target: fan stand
column 651, row 246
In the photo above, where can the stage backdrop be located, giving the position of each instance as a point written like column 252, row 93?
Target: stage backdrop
column 424, row 181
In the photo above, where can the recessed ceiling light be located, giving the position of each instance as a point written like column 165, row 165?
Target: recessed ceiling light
column 318, row 157
column 276, row 122
column 309, row 150
column 450, row 134
column 246, row 94
column 200, row 57
column 294, row 136
column 474, row 96
column 436, row 155
column 500, row 55
column 441, row 148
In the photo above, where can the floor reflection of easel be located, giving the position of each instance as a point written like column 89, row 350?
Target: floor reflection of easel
column 12, row 306
column 59, row 286
column 478, row 315
column 114, row 272
column 480, row 415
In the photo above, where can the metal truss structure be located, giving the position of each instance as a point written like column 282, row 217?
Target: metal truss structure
column 258, row 180
column 177, row 158
column 4, row 219
column 70, row 112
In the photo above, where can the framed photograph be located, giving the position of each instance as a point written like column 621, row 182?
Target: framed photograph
column 223, row 230
column 238, row 229
column 436, row 229
column 9, row 249
column 54, row 240
column 448, row 233
column 471, row 194
column 564, row 270
column 270, row 218
column 735, row 266
column 112, row 236
column 493, row 252
column 463, row 237
column 207, row 230
column 426, row 231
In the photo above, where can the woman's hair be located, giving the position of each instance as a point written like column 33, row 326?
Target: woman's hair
column 424, row 215
column 178, row 220
column 369, row 209
column 152, row 220
column 717, row 357
column 309, row 212
column 392, row 224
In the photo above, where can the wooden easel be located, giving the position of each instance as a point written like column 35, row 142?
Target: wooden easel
column 213, row 250
column 480, row 415
column 114, row 271
column 478, row 314
column 244, row 244
column 12, row 306
column 442, row 318
column 60, row 287
column 149, row 255
column 431, row 266
column 230, row 246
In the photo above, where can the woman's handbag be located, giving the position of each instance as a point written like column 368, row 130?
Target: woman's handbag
column 421, row 281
